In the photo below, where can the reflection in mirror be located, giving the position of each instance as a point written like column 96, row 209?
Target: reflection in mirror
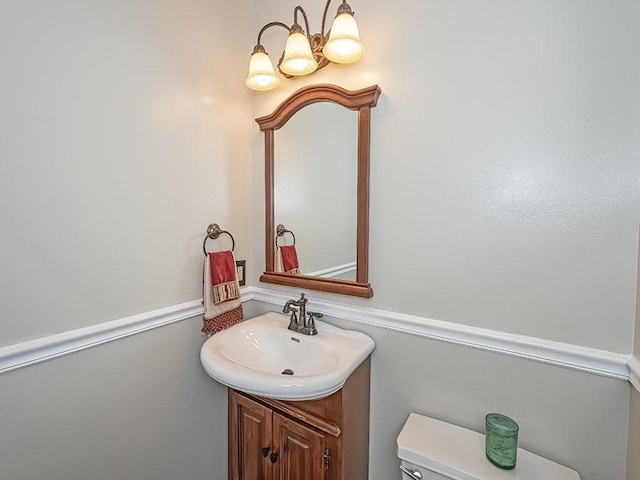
column 317, row 184
column 315, row 178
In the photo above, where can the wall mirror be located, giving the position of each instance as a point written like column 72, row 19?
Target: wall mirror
column 317, row 188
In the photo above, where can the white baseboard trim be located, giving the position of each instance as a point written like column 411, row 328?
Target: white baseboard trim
column 599, row 362
column 42, row 349
column 634, row 372
column 584, row 359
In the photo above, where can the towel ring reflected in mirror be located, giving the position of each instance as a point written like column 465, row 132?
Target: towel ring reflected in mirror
column 281, row 230
column 213, row 232
column 361, row 101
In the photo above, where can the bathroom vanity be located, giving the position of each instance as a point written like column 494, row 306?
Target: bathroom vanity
column 324, row 439
column 298, row 403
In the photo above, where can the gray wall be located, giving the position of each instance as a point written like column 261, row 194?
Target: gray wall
column 633, row 459
column 504, row 152
column 504, row 195
column 125, row 132
column 122, row 138
column 141, row 408
column 504, row 170
column 559, row 411
column 636, row 345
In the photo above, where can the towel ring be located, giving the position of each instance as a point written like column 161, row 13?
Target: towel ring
column 281, row 230
column 213, row 232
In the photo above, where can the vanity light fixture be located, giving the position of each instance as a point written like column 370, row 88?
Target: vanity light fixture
column 305, row 53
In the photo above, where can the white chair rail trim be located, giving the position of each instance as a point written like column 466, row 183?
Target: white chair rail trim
column 575, row 357
column 333, row 272
column 42, row 349
column 565, row 355
column 634, row 372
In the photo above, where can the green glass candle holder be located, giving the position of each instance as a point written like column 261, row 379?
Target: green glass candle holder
column 501, row 440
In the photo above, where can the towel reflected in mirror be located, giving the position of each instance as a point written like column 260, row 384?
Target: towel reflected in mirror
column 287, row 260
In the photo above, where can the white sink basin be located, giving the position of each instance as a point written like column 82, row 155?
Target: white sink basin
column 252, row 356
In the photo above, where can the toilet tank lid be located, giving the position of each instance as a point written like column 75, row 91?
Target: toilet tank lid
column 458, row 453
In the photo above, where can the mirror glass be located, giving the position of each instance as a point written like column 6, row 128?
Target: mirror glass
column 315, row 189
column 316, row 158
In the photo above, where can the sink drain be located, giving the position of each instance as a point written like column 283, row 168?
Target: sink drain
column 288, row 371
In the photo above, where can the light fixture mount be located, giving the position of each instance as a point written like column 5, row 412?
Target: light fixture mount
column 305, row 53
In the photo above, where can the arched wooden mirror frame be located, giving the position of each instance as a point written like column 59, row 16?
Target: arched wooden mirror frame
column 362, row 101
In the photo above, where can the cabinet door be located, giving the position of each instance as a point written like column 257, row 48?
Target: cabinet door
column 249, row 439
column 300, row 451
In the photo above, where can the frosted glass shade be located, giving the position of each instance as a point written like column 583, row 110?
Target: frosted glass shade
column 298, row 59
column 262, row 75
column 344, row 44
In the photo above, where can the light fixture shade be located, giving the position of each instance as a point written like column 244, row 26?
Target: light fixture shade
column 261, row 76
column 298, row 59
column 344, row 44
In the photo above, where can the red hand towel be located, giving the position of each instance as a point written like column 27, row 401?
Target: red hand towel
column 221, row 296
column 290, row 259
column 223, row 276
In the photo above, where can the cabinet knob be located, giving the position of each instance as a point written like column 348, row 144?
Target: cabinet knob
column 265, row 451
column 274, row 457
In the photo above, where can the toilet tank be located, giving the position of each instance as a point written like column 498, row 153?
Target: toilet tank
column 437, row 450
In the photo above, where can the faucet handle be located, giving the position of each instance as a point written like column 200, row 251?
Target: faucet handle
column 293, row 319
column 311, row 324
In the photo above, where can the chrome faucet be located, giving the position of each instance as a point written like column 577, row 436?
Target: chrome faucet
column 305, row 323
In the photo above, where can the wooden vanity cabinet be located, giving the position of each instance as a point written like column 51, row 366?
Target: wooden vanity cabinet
column 326, row 439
